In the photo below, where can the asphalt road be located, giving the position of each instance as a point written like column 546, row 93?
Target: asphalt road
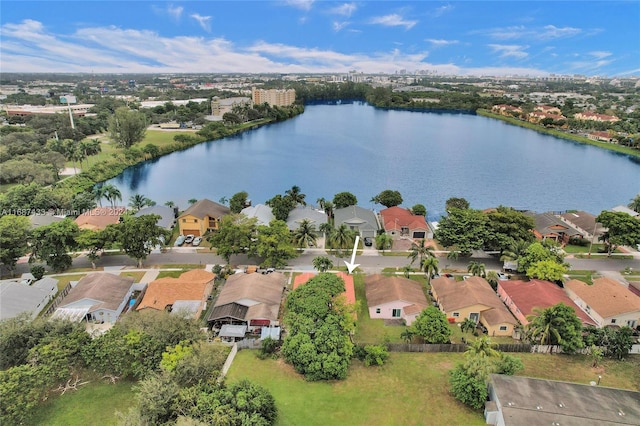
column 368, row 263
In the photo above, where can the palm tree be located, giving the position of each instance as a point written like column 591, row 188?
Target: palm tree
column 296, row 196
column 137, row 202
column 408, row 269
column 192, row 200
column 481, row 347
column 635, row 204
column 453, row 255
column 420, row 250
column 328, row 209
column 476, row 269
column 492, row 278
column 322, row 263
column 407, row 335
column 384, row 242
column 112, row 194
column 514, row 251
column 430, row 266
column 320, row 201
column 468, row 325
column 326, row 229
column 170, row 204
column 543, row 327
column 305, row 235
column 98, row 193
column 342, row 238
column 223, row 200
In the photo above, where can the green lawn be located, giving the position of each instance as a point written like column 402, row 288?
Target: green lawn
column 63, row 280
column 137, row 276
column 172, row 274
column 582, row 275
column 95, row 403
column 410, row 389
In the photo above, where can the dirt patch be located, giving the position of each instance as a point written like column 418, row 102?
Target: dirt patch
column 394, row 322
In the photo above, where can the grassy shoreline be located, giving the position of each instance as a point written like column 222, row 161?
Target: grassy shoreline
column 563, row 135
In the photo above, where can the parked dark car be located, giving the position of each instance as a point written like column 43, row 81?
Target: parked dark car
column 368, row 241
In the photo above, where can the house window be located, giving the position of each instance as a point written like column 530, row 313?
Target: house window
column 195, row 221
column 184, row 220
column 503, row 328
column 396, row 313
column 456, row 314
column 377, row 310
column 613, row 320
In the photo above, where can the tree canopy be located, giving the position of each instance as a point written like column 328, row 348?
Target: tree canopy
column 388, row 198
column 274, row 244
column 318, row 343
column 238, row 201
column 14, row 239
column 556, row 325
column 127, row 127
column 622, row 229
column 465, row 229
column 456, row 203
column 139, row 235
column 432, row 326
column 506, row 226
column 344, row 199
column 52, row 244
column 234, row 235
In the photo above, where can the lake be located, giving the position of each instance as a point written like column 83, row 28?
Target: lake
column 428, row 157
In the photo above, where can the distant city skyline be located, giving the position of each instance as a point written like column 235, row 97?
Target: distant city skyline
column 524, row 38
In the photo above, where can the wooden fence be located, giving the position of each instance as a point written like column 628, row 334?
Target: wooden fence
column 453, row 347
column 58, row 300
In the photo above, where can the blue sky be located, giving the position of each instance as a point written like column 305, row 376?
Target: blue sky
column 302, row 36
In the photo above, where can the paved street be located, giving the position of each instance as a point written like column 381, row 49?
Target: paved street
column 370, row 261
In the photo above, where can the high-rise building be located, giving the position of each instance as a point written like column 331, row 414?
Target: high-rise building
column 274, row 97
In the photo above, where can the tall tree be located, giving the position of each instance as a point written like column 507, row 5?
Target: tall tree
column 344, row 199
column 482, row 347
column 506, row 226
column 420, row 250
column 281, row 206
column 111, row 193
column 384, row 242
column 93, row 242
column 388, row 198
column 476, row 268
column 238, row 201
column 234, row 236
column 556, row 325
column 430, row 266
column 305, row 235
column 465, row 229
column 456, row 203
column 139, row 235
column 127, row 127
column 622, row 229
column 138, row 201
column 52, row 244
column 548, row 270
column 14, row 239
column 342, row 238
column 296, row 196
column 635, row 204
column 274, row 244
column 419, row 210
column 318, row 343
column 537, row 252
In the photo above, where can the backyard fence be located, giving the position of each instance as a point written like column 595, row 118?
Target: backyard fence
column 453, row 347
column 57, row 300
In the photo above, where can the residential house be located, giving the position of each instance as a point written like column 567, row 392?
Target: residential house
column 358, row 219
column 100, row 297
column 400, row 222
column 547, row 226
column 473, row 298
column 601, row 136
column 592, row 116
column 38, row 220
column 548, row 109
column 607, row 301
column 522, row 297
column 186, row 294
column 538, row 116
column 261, row 212
column 98, row 218
column 349, row 293
column 249, row 299
column 300, row 213
column 201, row 217
column 167, row 215
column 19, row 296
column 394, row 298
column 625, row 209
column 508, row 110
column 583, row 222
column 517, row 400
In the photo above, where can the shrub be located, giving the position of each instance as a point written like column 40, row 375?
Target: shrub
column 375, row 355
column 37, row 272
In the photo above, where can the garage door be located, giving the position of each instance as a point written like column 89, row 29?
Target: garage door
column 419, row 234
column 194, row 232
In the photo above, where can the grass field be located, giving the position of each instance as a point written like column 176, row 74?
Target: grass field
column 137, row 276
column 95, row 403
column 412, row 389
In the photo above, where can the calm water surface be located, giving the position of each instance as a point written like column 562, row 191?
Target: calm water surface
column 428, row 157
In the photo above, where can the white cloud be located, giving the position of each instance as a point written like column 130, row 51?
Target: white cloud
column 300, row 4
column 204, row 21
column 442, row 10
column 345, row 9
column 176, row 11
column 509, row 50
column 338, row 26
column 600, row 54
column 546, row 33
column 394, row 20
column 551, row 32
column 441, row 42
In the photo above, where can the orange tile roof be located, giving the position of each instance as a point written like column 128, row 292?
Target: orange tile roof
column 397, row 217
column 349, row 294
column 606, row 296
column 191, row 285
column 100, row 217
